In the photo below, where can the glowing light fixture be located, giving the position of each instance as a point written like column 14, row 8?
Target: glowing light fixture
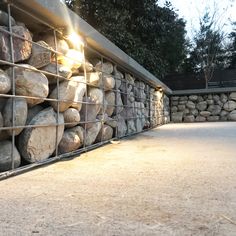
column 75, row 39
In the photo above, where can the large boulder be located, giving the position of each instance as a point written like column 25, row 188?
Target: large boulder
column 92, row 132
column 223, row 98
column 201, row 106
column 30, row 83
column 6, row 156
column 189, row 119
column 32, row 112
column 71, row 116
column 79, row 92
column 54, row 69
column 108, row 82
column 190, row 105
column 214, row 109
column 105, row 67
column 41, row 55
column 62, row 46
column 232, row 115
column 110, row 98
column 230, row 106
column 72, row 139
column 200, row 119
column 177, row 117
column 21, row 48
column 67, row 92
column 213, row 118
column 105, row 133
column 5, row 82
column 121, row 125
column 20, row 114
column 38, row 143
column 96, row 96
column 232, row 96
column 94, row 78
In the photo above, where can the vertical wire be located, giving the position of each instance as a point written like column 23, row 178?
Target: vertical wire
column 13, row 86
column 58, row 95
column 103, row 102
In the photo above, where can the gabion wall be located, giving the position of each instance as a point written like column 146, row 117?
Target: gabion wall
column 59, row 98
column 201, row 108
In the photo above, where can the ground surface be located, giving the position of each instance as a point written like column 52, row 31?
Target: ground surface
column 174, row 180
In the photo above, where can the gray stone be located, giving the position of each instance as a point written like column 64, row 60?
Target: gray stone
column 174, row 109
column 230, row 106
column 213, row 118
column 129, row 78
column 67, row 93
column 110, row 98
column 175, row 103
column 71, row 115
column 209, row 96
column 223, row 98
column 62, row 45
column 108, row 82
column 41, row 55
column 121, row 125
column 189, row 119
column 223, row 118
column 224, row 113
column 186, row 111
column 72, row 140
column 232, row 96
column 111, row 122
column 30, row 83
column 131, row 128
column 182, row 102
column 202, row 106
column 220, row 103
column 174, row 98
column 183, row 98
column 105, row 133
column 200, row 119
column 88, row 67
column 214, row 109
column 92, row 132
column 32, row 112
column 119, row 104
column 20, row 114
column 5, row 81
column 210, row 101
column 22, row 48
column 94, row 78
column 79, row 92
column 194, row 112
column 96, row 96
column 177, row 117
column 6, row 156
column 105, row 67
column 62, row 71
column 38, row 143
column 193, row 97
column 181, row 107
column 232, row 115
column 118, row 77
column 200, row 99
column 216, row 98
column 4, row 19
column 190, row 105
column 205, row 113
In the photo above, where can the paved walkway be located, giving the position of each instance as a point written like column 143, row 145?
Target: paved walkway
column 174, row 180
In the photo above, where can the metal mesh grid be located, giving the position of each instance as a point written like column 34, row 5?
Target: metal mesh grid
column 137, row 106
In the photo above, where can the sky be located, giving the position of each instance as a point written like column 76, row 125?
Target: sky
column 191, row 10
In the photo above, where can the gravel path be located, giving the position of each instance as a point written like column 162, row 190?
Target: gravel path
column 179, row 179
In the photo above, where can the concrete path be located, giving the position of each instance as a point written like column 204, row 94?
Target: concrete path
column 174, row 180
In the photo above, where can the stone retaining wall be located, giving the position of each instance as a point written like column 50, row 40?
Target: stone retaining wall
column 54, row 102
column 206, row 107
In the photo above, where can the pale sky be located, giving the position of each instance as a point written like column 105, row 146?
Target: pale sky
column 190, row 10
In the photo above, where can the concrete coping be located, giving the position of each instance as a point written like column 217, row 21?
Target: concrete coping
column 203, row 91
column 57, row 14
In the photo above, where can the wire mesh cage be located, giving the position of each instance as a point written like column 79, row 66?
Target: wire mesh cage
column 60, row 97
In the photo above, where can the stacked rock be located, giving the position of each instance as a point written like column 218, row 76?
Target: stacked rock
column 200, row 108
column 55, row 108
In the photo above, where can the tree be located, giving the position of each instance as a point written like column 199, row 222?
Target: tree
column 232, row 47
column 154, row 36
column 208, row 51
